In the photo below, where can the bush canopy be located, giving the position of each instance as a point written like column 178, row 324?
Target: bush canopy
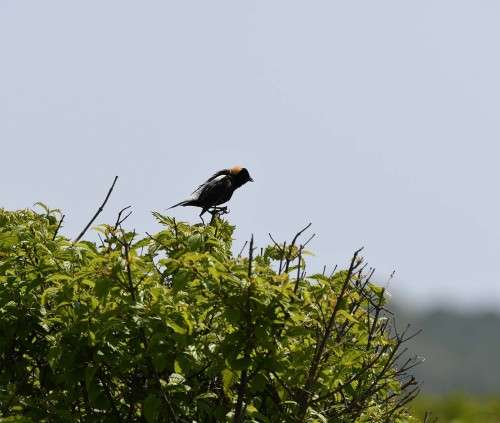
column 177, row 327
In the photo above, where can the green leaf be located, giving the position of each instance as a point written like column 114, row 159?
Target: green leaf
column 252, row 409
column 8, row 240
column 151, row 408
column 176, row 379
column 194, row 242
column 206, row 395
column 175, row 327
column 348, row 316
column 156, row 292
column 102, row 287
column 42, row 206
column 227, row 380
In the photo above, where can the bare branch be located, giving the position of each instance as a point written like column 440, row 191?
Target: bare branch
column 99, row 211
column 294, row 240
column 58, row 227
column 119, row 219
column 281, row 259
column 242, row 248
column 297, row 280
column 308, row 240
column 275, row 243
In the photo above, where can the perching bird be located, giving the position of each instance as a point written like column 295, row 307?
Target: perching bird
column 217, row 189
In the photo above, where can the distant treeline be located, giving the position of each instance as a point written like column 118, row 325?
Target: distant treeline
column 460, row 350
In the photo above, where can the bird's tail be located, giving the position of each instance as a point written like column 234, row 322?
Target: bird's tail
column 183, row 203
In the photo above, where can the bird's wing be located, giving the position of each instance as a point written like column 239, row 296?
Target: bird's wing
column 214, row 191
column 216, row 175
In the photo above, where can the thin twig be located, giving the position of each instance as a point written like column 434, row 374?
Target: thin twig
column 300, row 233
column 282, row 257
column 275, row 243
column 242, row 248
column 333, row 271
column 290, row 248
column 58, row 227
column 100, row 239
column 101, row 208
column 119, row 219
column 297, row 280
column 153, row 238
column 308, row 240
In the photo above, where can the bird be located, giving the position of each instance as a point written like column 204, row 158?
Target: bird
column 217, row 190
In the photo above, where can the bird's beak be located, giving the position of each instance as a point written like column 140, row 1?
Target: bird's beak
column 250, row 180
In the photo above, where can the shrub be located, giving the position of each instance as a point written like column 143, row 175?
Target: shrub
column 176, row 327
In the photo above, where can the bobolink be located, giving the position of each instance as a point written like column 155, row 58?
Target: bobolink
column 217, row 189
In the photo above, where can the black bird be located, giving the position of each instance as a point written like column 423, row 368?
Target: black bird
column 217, row 189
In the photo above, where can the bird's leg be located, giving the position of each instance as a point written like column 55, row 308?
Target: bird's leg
column 201, row 215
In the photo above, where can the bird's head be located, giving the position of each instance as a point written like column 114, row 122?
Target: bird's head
column 240, row 174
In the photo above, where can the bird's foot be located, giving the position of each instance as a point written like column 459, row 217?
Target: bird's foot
column 223, row 210
column 219, row 211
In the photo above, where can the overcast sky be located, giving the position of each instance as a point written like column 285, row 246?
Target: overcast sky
column 376, row 121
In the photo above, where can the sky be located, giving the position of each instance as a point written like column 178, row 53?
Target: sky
column 376, row 121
